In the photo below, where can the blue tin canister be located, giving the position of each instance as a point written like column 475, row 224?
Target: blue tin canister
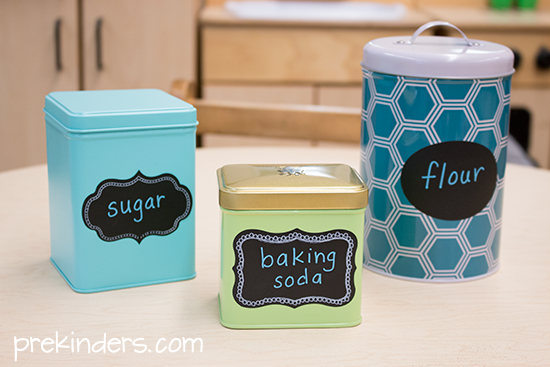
column 435, row 120
column 121, row 172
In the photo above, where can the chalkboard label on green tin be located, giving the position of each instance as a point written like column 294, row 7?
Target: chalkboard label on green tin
column 451, row 180
column 137, row 207
column 294, row 268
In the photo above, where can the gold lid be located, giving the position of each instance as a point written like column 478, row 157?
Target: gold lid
column 276, row 187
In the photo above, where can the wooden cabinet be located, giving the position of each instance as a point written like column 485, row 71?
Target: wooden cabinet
column 38, row 54
column 299, row 62
column 289, row 52
column 52, row 45
column 138, row 43
column 295, row 94
column 343, row 96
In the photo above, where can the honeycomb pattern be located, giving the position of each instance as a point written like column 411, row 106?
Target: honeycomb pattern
column 445, row 126
column 380, row 244
column 445, row 254
column 415, row 103
column 384, row 122
column 409, row 231
column 400, row 116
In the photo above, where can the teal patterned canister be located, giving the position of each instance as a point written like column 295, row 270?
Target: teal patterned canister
column 433, row 150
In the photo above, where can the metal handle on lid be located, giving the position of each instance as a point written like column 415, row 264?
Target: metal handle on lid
column 439, row 23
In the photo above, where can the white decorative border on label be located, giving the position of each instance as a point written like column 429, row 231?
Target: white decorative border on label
column 138, row 178
column 286, row 238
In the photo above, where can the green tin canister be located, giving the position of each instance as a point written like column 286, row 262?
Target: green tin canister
column 291, row 245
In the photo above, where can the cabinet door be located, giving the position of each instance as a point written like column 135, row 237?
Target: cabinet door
column 32, row 64
column 138, row 43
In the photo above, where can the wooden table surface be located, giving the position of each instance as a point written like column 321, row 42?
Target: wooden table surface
column 502, row 320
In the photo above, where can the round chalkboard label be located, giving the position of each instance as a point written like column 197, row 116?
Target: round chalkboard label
column 451, row 180
column 137, row 207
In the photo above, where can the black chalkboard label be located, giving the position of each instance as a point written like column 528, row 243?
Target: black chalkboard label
column 137, row 207
column 294, row 268
column 451, row 180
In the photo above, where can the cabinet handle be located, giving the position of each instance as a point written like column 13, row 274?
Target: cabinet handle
column 543, row 58
column 517, row 58
column 57, row 43
column 98, row 48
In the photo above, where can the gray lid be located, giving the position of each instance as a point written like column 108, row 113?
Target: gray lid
column 438, row 57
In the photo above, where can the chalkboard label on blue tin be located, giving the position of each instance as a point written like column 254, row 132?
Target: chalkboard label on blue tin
column 294, row 268
column 452, row 180
column 137, row 207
